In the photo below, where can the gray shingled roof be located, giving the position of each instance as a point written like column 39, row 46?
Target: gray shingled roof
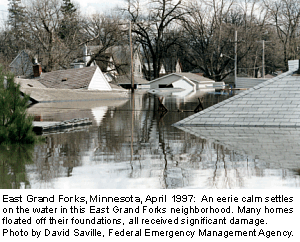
column 125, row 79
column 28, row 83
column 275, row 102
column 68, row 79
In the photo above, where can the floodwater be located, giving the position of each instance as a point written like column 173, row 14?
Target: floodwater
column 132, row 145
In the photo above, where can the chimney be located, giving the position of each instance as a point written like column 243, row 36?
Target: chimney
column 37, row 70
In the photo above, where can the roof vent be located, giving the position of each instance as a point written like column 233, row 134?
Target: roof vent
column 65, row 79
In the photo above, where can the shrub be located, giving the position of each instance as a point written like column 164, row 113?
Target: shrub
column 15, row 124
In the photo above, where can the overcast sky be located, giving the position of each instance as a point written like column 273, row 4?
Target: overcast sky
column 86, row 6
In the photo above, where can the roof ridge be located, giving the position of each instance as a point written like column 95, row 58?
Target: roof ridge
column 71, row 69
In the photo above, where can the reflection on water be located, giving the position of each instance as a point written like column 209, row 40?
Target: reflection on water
column 131, row 145
column 13, row 161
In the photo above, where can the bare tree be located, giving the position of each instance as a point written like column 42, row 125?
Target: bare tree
column 285, row 16
column 211, row 27
column 151, row 25
column 45, row 20
column 55, row 31
column 105, row 32
column 7, row 52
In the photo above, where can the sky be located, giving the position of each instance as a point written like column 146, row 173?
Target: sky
column 86, row 6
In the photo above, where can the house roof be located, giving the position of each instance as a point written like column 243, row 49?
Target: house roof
column 28, row 52
column 29, row 83
column 194, row 77
column 163, row 77
column 272, row 103
column 125, row 79
column 190, row 76
column 269, row 76
column 68, row 79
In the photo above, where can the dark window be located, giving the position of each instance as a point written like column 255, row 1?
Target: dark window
column 165, row 86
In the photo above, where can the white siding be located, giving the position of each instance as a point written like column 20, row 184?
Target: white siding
column 205, row 84
column 178, row 67
column 137, row 65
column 79, row 65
column 162, row 70
column 166, row 80
column 111, row 68
column 183, row 84
column 99, row 82
column 293, row 65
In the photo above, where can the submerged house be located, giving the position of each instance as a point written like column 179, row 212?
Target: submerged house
column 90, row 78
column 125, row 82
column 180, row 83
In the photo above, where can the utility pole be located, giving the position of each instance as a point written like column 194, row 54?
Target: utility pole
column 235, row 56
column 131, row 60
column 263, row 60
column 263, row 57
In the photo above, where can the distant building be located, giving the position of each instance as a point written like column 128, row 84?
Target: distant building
column 22, row 65
column 120, row 61
column 114, row 62
column 87, row 52
column 149, row 70
column 172, row 65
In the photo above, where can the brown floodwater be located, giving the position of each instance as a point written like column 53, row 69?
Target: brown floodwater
column 132, row 145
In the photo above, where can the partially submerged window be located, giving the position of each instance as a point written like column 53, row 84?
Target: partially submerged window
column 165, row 86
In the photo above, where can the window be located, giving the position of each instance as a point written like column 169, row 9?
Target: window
column 165, row 86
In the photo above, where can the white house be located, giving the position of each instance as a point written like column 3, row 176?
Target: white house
column 172, row 83
column 172, row 65
column 90, row 78
column 22, row 64
column 180, row 83
column 162, row 70
column 87, row 52
column 120, row 61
